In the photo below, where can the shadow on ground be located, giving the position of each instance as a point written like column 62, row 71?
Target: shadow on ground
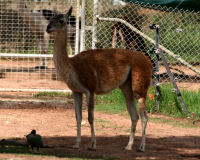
column 186, row 147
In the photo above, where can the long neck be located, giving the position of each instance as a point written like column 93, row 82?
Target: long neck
column 60, row 56
column 60, row 44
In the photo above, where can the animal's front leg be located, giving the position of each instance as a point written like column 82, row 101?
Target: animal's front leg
column 90, row 102
column 78, row 111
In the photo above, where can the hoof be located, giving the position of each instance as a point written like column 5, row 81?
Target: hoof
column 75, row 146
column 91, row 149
column 140, row 150
column 128, row 148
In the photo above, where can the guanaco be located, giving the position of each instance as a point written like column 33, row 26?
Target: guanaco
column 98, row 71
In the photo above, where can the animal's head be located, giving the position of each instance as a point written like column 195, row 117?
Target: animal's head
column 58, row 21
column 33, row 131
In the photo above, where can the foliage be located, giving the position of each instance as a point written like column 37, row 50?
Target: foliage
column 169, row 102
column 179, row 29
column 170, row 105
column 52, row 94
column 105, row 27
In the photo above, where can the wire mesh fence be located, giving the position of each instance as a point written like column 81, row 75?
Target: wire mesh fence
column 179, row 33
column 26, row 49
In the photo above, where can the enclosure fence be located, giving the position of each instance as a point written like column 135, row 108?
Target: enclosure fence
column 126, row 25
column 26, row 61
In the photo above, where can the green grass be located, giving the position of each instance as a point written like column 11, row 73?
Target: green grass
column 169, row 102
column 172, row 122
column 52, row 94
column 170, row 105
column 113, row 102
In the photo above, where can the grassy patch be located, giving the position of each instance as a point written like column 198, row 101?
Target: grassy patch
column 172, row 122
column 169, row 102
column 104, row 124
column 102, row 121
column 170, row 105
column 52, row 94
column 114, row 102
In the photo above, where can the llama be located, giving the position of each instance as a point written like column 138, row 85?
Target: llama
column 99, row 71
column 129, row 38
column 38, row 22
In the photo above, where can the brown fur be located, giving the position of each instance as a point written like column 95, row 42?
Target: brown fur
column 99, row 71
column 109, row 65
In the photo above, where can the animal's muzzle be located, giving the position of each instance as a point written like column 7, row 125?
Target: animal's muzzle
column 49, row 29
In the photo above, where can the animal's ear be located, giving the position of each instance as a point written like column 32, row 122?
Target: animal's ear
column 68, row 13
column 55, row 12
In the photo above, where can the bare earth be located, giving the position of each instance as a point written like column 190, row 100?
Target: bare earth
column 57, row 125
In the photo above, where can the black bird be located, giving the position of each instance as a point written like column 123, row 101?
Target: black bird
column 34, row 140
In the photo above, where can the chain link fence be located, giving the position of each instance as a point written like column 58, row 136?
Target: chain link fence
column 26, row 61
column 179, row 33
column 26, row 53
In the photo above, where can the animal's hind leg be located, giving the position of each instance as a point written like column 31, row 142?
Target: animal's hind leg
column 144, row 118
column 140, row 83
column 131, row 107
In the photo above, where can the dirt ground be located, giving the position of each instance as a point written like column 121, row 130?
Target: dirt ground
column 56, row 124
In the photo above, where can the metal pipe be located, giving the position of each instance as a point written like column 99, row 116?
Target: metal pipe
column 83, row 8
column 94, row 29
column 77, row 27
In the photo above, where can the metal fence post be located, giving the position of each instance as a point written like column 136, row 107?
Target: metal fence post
column 94, row 26
column 158, row 53
column 83, row 8
column 77, row 28
column 156, row 70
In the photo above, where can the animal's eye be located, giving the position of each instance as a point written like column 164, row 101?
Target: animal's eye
column 61, row 21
